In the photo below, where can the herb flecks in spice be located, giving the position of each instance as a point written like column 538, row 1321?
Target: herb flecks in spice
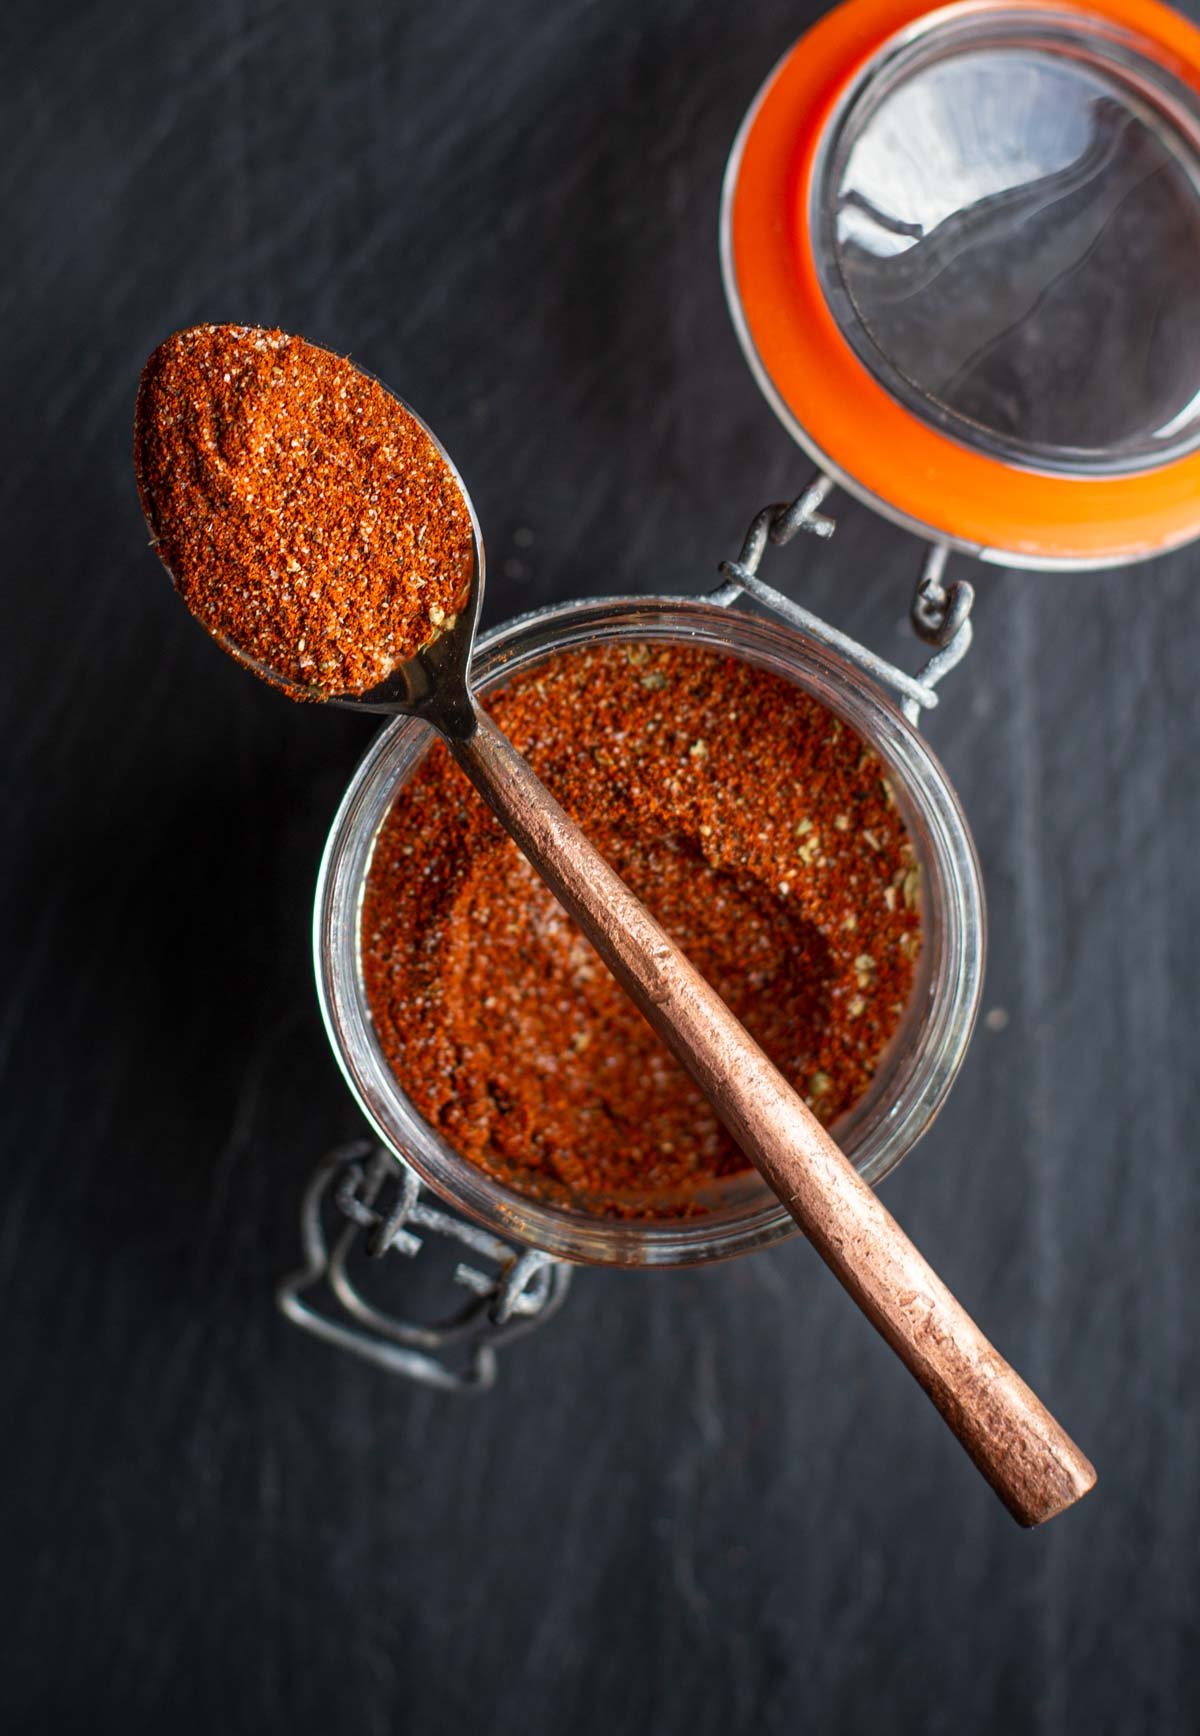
column 307, row 519
column 499, row 1021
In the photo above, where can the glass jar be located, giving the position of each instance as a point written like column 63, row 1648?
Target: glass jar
column 916, row 1070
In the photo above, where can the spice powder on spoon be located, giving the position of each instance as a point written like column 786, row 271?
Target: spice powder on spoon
column 307, row 518
column 762, row 834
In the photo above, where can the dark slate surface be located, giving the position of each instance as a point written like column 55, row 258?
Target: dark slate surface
column 702, row 1502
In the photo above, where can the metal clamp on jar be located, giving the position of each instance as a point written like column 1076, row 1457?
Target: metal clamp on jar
column 962, row 251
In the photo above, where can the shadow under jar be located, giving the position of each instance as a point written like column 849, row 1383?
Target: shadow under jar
column 916, row 1069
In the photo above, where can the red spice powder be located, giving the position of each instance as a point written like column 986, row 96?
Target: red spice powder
column 762, row 834
column 307, row 519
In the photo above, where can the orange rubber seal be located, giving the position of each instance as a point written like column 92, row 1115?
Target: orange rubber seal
column 850, row 423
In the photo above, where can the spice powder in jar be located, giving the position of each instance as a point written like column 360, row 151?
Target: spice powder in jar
column 758, row 829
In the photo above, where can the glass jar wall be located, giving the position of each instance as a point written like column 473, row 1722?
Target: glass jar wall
column 917, row 1068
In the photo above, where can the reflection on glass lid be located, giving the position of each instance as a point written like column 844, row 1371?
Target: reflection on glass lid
column 1008, row 233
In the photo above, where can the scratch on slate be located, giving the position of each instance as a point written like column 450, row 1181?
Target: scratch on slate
column 766, row 1272
column 689, row 1477
column 1154, row 1096
column 706, row 1403
column 1040, row 1159
column 244, row 1115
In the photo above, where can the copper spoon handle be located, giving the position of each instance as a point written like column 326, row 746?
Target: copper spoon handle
column 1031, row 1463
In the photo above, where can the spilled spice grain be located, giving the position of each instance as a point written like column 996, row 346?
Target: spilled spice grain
column 760, row 832
column 306, row 518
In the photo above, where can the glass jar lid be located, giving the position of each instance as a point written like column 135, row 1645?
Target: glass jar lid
column 962, row 248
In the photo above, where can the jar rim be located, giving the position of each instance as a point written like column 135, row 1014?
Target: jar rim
column 879, row 1131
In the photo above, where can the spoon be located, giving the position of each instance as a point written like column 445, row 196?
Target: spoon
column 1033, row 1465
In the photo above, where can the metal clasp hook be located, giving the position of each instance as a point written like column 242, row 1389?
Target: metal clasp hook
column 455, row 1354
column 940, row 614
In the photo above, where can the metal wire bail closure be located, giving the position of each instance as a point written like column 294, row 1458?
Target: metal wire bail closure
column 858, row 422
column 383, row 1203
column 940, row 613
